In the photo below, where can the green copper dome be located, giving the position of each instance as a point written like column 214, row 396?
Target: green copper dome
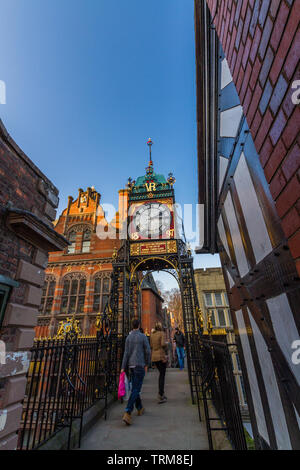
column 151, row 182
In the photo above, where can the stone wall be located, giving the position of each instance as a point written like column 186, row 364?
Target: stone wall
column 27, row 207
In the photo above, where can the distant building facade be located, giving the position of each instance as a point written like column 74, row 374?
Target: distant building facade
column 247, row 65
column 152, row 305
column 213, row 302
column 78, row 279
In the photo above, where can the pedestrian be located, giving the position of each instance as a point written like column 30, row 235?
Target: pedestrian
column 136, row 358
column 158, row 346
column 180, row 346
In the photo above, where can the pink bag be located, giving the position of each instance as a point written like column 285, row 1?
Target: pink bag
column 121, row 389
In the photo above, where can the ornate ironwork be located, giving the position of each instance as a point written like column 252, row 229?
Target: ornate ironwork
column 218, row 388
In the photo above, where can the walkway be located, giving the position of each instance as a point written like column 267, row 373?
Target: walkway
column 170, row 426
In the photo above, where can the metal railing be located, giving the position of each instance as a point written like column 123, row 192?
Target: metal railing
column 215, row 385
column 65, row 378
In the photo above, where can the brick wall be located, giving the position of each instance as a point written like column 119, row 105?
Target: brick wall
column 151, row 310
column 260, row 39
column 24, row 188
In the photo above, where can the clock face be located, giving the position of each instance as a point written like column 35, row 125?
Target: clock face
column 152, row 220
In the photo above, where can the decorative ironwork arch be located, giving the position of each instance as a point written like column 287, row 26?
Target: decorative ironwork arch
column 144, row 260
column 170, row 271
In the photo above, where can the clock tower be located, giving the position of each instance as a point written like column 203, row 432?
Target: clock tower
column 152, row 226
column 153, row 243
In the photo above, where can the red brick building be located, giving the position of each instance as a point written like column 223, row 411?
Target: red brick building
column 78, row 279
column 152, row 301
column 247, row 56
column 27, row 207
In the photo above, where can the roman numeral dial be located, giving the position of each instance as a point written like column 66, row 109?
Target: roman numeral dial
column 151, row 220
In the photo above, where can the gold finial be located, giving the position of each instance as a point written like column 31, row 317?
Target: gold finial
column 115, row 253
column 209, row 323
column 98, row 321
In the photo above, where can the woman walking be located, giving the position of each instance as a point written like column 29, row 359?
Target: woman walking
column 158, row 346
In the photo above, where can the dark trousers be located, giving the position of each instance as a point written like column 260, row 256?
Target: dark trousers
column 161, row 366
column 137, row 377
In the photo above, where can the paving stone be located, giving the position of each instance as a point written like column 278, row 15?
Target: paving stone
column 173, row 425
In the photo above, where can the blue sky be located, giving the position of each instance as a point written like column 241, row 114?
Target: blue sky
column 88, row 81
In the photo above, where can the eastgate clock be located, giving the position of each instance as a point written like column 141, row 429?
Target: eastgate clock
column 151, row 220
column 151, row 206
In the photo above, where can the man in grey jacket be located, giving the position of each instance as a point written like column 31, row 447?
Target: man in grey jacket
column 137, row 358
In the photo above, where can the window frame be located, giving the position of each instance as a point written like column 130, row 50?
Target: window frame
column 86, row 231
column 70, row 297
column 44, row 299
column 101, row 293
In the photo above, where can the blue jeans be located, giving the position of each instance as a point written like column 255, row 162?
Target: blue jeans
column 181, row 356
column 138, row 374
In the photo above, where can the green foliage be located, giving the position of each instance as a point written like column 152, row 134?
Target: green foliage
column 249, row 441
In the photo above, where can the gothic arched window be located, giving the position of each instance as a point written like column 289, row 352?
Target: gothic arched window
column 101, row 292
column 73, row 295
column 47, row 295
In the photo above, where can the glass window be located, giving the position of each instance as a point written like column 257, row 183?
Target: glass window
column 72, row 240
column 243, row 389
column 96, row 306
column 73, row 297
column 218, row 297
column 74, row 287
column 208, row 299
column 80, row 304
column 97, row 287
column 66, row 288
column 226, row 298
column 221, row 315
column 82, row 286
column 212, row 317
column 72, row 304
column 86, row 242
column 106, row 286
column 104, row 301
column 47, row 296
column 101, row 294
column 64, row 304
column 229, row 317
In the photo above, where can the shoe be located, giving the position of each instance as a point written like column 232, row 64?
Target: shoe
column 141, row 412
column 127, row 418
column 162, row 399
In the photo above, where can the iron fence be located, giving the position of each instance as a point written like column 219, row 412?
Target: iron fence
column 215, row 384
column 65, row 378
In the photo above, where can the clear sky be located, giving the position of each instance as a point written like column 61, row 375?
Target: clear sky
column 88, row 81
